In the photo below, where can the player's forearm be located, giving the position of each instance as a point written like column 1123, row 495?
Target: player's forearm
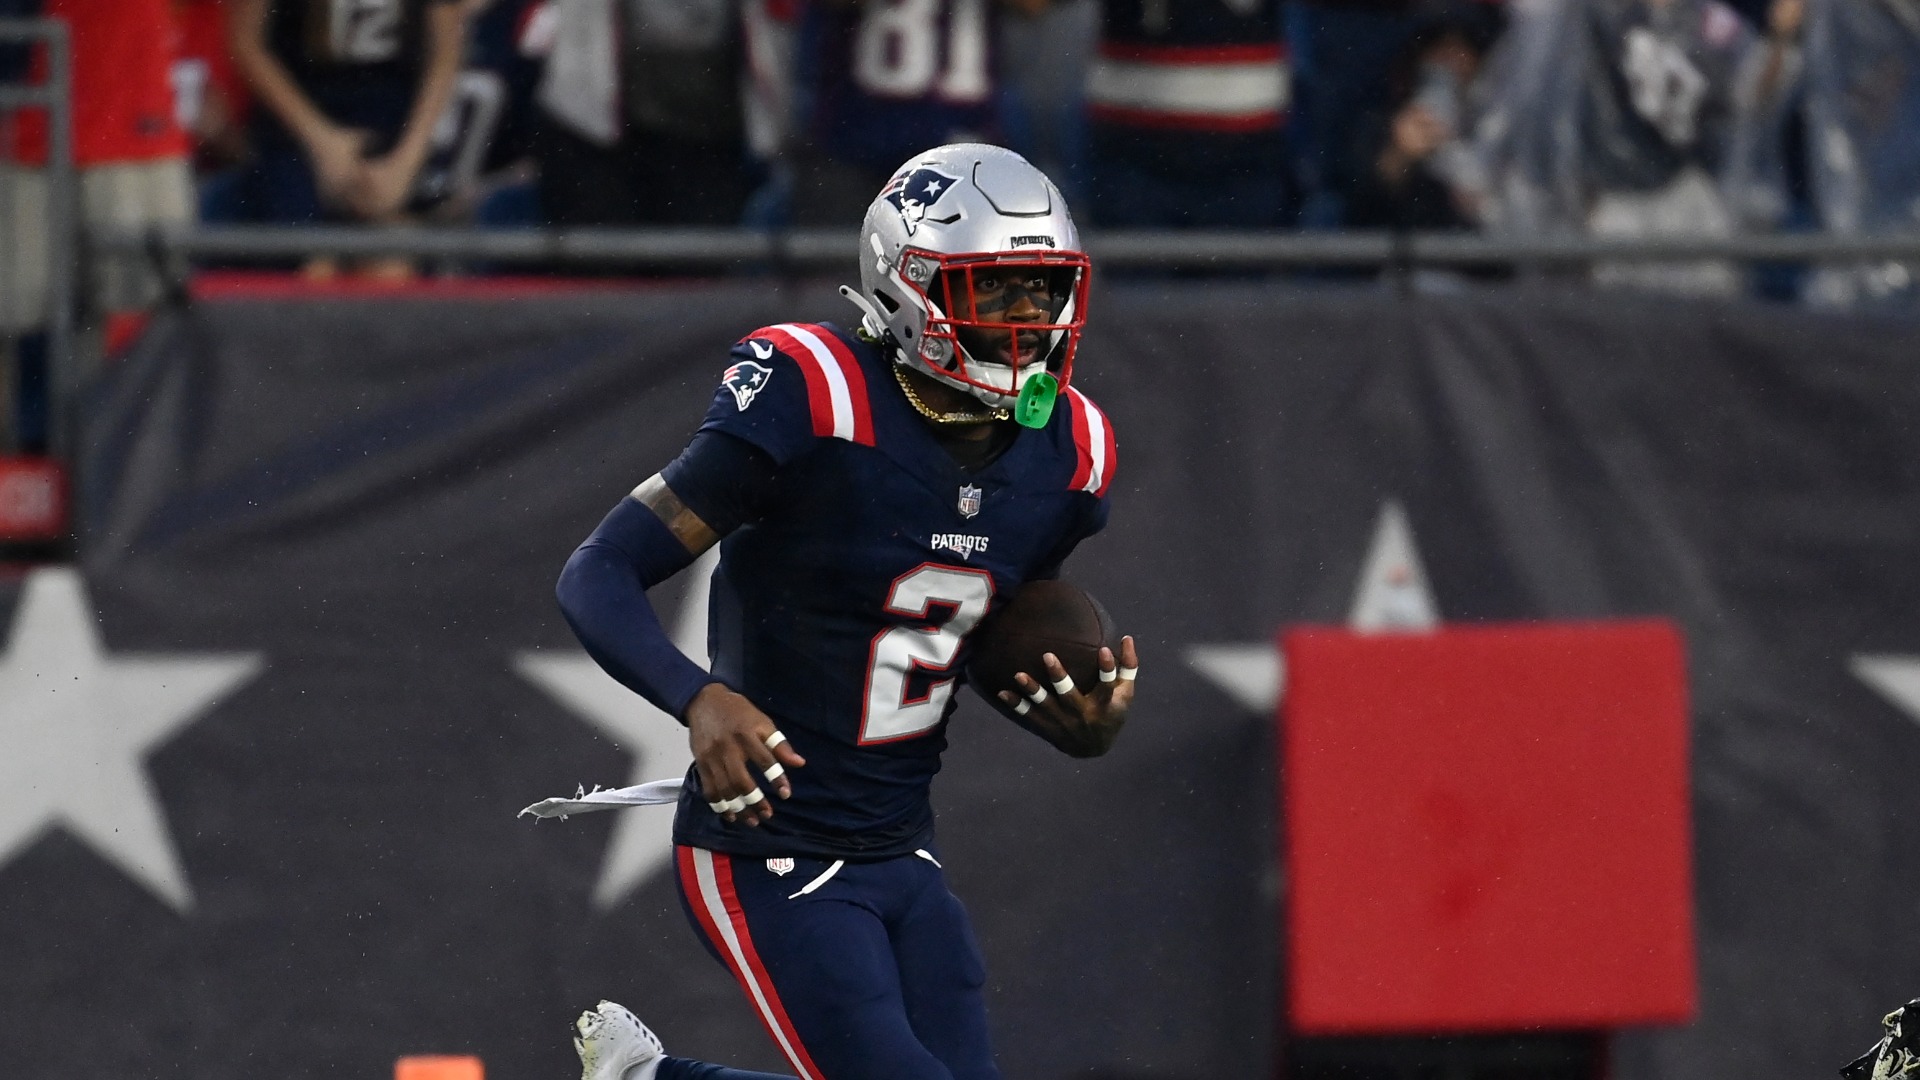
column 603, row 594
column 446, row 46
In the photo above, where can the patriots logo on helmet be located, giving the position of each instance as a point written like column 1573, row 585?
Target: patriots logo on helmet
column 915, row 192
column 746, row 379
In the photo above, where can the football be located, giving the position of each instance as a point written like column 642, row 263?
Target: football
column 1043, row 617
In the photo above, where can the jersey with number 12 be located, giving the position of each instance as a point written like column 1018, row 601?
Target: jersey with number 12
column 844, row 613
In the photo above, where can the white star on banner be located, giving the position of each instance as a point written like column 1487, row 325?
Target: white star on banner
column 1392, row 594
column 642, row 842
column 76, row 726
column 1897, row 678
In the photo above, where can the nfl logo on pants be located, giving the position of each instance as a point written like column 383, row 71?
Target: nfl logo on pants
column 780, row 867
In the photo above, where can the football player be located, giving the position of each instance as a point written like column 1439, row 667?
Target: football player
column 876, row 492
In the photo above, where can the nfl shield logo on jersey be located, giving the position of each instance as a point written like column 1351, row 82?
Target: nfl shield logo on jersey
column 779, row 867
column 969, row 500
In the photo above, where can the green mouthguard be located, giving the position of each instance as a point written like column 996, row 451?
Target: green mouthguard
column 1036, row 401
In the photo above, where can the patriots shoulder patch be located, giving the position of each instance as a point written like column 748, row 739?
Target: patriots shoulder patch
column 746, row 379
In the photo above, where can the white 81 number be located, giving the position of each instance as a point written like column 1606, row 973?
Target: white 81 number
column 901, row 651
column 898, row 51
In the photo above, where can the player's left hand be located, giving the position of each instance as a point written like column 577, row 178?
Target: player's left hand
column 1081, row 720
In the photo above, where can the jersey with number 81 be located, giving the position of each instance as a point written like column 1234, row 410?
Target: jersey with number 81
column 893, row 78
column 844, row 613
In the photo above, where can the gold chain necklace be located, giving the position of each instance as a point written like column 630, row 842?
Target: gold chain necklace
column 956, row 417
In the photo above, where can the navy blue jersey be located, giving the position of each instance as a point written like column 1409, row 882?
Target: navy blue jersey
column 890, row 78
column 1212, row 67
column 844, row 611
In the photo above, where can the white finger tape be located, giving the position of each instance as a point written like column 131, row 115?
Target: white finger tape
column 728, row 806
column 1129, row 673
column 776, row 738
column 1108, row 676
column 753, row 798
column 1022, row 707
column 774, row 772
column 1063, row 685
column 718, row 807
column 1038, row 696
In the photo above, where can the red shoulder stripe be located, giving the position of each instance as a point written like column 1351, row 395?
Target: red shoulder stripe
column 1093, row 440
column 836, row 387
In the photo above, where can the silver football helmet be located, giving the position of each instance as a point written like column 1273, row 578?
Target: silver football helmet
column 970, row 267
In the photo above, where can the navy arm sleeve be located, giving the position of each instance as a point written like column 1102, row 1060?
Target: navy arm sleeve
column 603, row 593
column 726, row 482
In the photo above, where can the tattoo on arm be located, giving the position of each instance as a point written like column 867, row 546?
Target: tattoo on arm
column 686, row 526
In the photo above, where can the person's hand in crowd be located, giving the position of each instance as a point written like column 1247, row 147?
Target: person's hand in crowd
column 1784, row 19
column 1417, row 132
column 1412, row 138
column 337, row 165
column 382, row 188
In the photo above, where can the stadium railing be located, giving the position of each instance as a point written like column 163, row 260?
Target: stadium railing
column 825, row 250
column 56, row 96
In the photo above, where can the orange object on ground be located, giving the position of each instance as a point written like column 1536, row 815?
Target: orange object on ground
column 439, row 1067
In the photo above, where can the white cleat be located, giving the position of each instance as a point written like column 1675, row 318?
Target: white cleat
column 613, row 1044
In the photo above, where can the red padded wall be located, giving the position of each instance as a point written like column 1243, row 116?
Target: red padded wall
column 1486, row 829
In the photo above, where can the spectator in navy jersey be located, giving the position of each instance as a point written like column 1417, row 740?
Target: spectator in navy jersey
column 346, row 96
column 877, row 82
column 1187, row 106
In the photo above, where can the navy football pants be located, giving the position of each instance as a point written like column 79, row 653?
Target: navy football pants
column 859, row 971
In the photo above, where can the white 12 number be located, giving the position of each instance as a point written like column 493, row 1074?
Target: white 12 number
column 897, row 53
column 900, row 651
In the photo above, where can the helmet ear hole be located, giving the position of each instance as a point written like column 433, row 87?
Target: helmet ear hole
column 888, row 302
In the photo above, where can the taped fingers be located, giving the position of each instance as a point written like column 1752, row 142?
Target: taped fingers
column 729, row 806
column 774, row 772
column 776, row 738
column 1063, row 685
column 1129, row 673
column 752, row 798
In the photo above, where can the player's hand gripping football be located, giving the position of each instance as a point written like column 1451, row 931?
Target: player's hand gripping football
column 1081, row 720
column 731, row 740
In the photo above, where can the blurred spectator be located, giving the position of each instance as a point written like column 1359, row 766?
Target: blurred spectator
column 1186, row 106
column 642, row 115
column 134, row 174
column 1651, row 93
column 479, row 166
column 1043, row 62
column 881, row 80
column 1339, row 51
column 1414, row 167
column 1863, row 119
column 213, row 105
column 347, row 94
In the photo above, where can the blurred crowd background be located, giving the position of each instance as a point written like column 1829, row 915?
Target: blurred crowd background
column 1605, row 117
column 1528, row 118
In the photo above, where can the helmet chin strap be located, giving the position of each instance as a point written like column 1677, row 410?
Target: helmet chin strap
column 1033, row 401
column 870, row 319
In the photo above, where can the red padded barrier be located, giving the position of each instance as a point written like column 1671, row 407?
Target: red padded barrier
column 1487, row 829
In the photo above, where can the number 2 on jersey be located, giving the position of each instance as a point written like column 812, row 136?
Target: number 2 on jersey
column 900, row 651
column 898, row 50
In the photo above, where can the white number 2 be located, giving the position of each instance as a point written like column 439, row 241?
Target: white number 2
column 900, row 651
column 897, row 50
